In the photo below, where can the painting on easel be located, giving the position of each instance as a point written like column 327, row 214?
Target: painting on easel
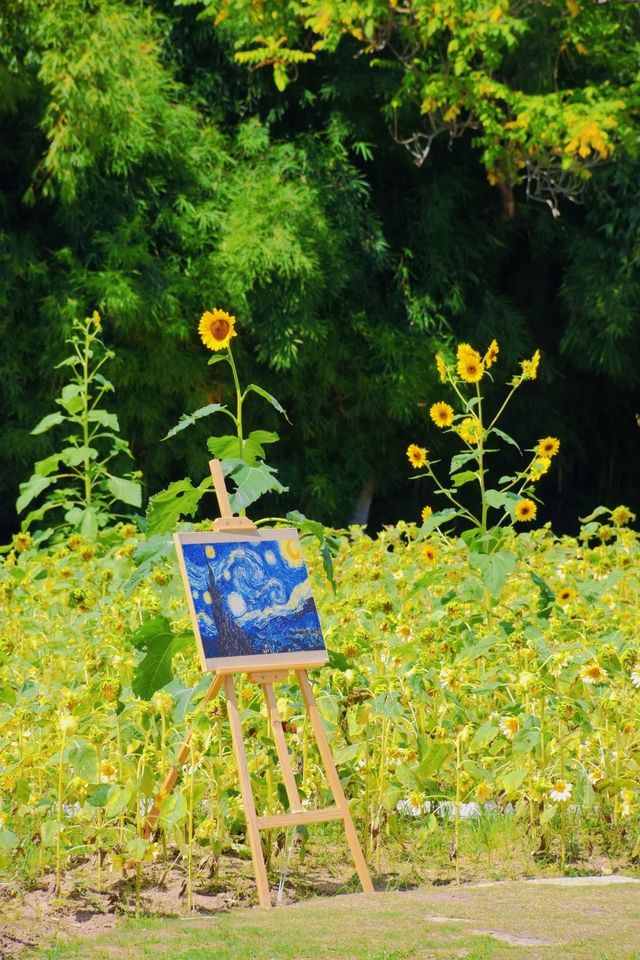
column 250, row 600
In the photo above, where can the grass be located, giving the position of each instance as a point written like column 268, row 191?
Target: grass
column 505, row 921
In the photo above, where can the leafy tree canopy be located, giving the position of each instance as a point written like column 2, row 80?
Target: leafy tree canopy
column 547, row 90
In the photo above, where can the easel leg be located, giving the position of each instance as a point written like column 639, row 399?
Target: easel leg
column 183, row 753
column 281, row 746
column 334, row 781
column 253, row 831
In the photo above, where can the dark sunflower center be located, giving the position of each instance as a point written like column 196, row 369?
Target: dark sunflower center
column 220, row 328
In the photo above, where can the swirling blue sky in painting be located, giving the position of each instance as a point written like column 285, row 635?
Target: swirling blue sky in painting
column 252, row 597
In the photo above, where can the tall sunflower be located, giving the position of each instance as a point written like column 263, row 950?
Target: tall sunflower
column 216, row 328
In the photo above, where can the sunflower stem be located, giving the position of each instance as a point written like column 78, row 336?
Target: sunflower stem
column 239, row 428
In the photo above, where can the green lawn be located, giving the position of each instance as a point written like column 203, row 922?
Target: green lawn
column 504, row 921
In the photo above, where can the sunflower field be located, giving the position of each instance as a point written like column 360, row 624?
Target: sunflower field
column 483, row 680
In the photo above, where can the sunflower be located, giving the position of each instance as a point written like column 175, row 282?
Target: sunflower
column 417, row 455
column 216, row 329
column 539, row 467
column 525, row 510
column 491, row 355
column 470, row 366
column 548, row 447
column 565, row 595
column 442, row 368
column 429, row 553
column 441, row 414
column 621, row 516
column 426, row 513
column 593, row 673
column 470, row 430
column 530, row 367
column 97, row 320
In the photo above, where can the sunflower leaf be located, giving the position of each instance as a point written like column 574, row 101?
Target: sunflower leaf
column 269, row 398
column 188, row 419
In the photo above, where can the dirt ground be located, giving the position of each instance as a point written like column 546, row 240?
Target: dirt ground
column 544, row 914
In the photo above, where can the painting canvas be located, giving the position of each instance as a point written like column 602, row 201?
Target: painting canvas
column 250, row 599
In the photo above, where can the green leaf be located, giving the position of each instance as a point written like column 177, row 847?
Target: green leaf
column 505, row 436
column 7, row 694
column 494, row 568
column 350, row 752
column 44, row 467
column 188, row 419
column 598, row 512
column 435, row 755
column 174, row 810
column 267, row 396
column 460, row 459
column 224, row 448
column 84, row 759
column 525, row 741
column 49, row 831
column 217, row 358
column 71, row 398
column 408, row 777
column 466, row 476
column 547, row 596
column 128, row 491
column 161, row 645
column 476, row 771
column 386, row 705
column 137, row 848
column 252, row 483
column 51, row 420
column 105, row 419
column 180, row 499
column 74, row 456
column 513, row 778
column 8, row 840
column 98, row 797
column 484, row 735
column 547, row 815
column 500, row 501
column 263, row 436
column 118, row 800
column 437, row 519
column 88, row 525
column 31, row 489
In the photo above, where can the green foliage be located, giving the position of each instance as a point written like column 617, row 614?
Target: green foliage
column 460, row 67
column 146, row 172
column 78, row 478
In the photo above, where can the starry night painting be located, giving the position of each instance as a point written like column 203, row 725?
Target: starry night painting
column 251, row 597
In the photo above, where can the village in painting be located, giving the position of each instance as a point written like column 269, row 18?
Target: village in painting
column 252, row 597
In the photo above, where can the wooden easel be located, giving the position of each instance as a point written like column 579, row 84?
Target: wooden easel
column 266, row 679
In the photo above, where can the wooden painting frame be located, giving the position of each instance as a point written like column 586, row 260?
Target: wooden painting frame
column 288, row 660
